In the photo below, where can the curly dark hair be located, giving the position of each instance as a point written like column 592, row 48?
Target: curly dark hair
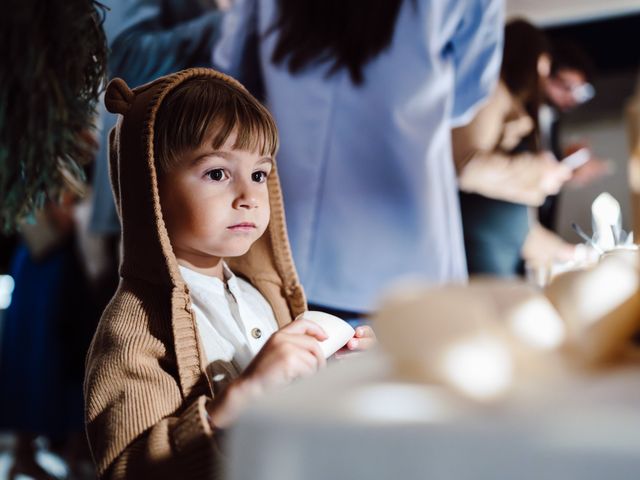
column 54, row 57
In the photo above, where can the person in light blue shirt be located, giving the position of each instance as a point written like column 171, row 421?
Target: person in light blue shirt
column 365, row 98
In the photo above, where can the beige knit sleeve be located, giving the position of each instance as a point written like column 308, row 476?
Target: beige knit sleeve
column 482, row 165
column 512, row 178
column 139, row 425
column 483, row 133
column 175, row 447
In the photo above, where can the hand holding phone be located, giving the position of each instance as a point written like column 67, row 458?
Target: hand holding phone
column 577, row 158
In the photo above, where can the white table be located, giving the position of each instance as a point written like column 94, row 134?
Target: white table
column 353, row 421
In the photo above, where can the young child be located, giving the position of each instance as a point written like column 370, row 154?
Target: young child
column 185, row 343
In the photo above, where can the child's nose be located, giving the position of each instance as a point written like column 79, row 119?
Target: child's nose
column 245, row 197
column 248, row 203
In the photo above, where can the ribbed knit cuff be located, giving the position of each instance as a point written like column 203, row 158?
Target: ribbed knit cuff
column 194, row 441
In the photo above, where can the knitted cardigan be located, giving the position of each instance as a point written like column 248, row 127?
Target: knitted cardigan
column 147, row 383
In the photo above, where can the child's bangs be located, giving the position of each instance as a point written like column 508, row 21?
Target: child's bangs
column 252, row 124
column 204, row 107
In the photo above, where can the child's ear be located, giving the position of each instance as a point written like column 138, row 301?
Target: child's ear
column 118, row 98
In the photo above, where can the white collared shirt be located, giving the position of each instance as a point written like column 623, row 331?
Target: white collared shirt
column 234, row 320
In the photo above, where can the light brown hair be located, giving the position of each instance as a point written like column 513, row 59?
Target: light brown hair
column 202, row 106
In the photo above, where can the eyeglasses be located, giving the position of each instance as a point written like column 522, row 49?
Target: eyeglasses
column 582, row 93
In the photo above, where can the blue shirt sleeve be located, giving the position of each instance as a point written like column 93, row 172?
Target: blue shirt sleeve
column 151, row 44
column 477, row 55
column 238, row 23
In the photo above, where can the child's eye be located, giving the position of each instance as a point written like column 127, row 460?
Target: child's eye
column 259, row 177
column 217, row 174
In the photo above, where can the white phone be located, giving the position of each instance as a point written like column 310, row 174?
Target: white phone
column 577, row 158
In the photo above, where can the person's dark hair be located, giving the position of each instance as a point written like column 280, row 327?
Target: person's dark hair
column 344, row 34
column 203, row 106
column 568, row 55
column 523, row 45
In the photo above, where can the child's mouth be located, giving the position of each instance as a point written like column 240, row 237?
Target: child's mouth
column 242, row 227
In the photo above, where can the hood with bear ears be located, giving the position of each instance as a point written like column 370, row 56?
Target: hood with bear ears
column 147, row 253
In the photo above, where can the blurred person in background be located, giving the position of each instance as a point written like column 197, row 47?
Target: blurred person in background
column 499, row 181
column 158, row 37
column 96, row 220
column 50, row 84
column 566, row 88
column 47, row 330
column 632, row 116
column 365, row 110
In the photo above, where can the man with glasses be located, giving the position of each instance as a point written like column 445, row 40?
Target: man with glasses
column 566, row 88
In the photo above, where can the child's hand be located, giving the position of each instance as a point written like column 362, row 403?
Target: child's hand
column 363, row 339
column 290, row 353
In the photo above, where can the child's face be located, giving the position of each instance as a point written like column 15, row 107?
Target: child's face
column 215, row 203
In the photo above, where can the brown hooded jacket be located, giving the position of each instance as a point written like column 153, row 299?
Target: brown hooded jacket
column 147, row 382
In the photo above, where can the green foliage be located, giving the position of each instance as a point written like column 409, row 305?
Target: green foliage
column 53, row 68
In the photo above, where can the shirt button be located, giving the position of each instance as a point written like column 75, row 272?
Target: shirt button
column 256, row 332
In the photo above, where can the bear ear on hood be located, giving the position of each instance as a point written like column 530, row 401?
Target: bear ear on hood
column 118, row 98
